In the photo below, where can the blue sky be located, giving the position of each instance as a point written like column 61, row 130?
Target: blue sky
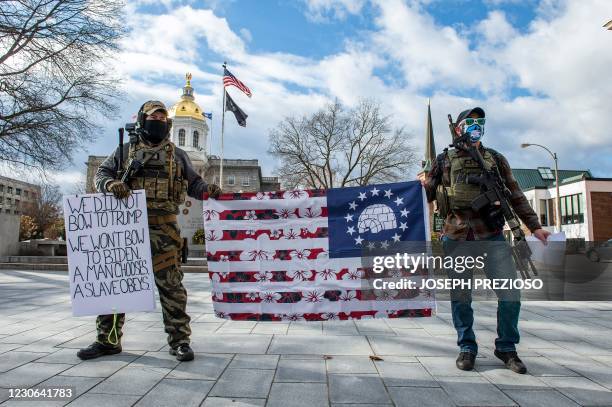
column 539, row 68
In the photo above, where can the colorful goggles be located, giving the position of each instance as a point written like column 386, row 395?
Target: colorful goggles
column 470, row 121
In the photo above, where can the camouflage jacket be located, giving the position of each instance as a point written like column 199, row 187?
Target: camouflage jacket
column 108, row 171
column 459, row 224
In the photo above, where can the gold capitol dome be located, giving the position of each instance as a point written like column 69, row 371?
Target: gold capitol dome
column 187, row 107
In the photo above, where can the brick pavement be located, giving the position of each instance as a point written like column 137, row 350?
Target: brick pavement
column 567, row 348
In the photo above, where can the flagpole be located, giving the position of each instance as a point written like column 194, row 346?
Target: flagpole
column 222, row 131
column 210, row 144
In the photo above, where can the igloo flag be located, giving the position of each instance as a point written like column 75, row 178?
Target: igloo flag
column 297, row 255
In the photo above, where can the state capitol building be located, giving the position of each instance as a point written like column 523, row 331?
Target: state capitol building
column 190, row 132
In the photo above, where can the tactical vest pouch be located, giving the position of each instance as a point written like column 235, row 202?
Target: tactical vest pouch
column 180, row 191
column 156, row 188
column 442, row 201
column 160, row 177
column 461, row 193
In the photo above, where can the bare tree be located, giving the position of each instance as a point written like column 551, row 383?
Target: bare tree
column 45, row 210
column 338, row 147
column 52, row 76
column 79, row 187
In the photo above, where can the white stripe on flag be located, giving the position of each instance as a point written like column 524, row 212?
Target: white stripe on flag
column 299, row 285
column 254, row 224
column 351, row 263
column 258, row 204
column 329, row 306
column 270, row 245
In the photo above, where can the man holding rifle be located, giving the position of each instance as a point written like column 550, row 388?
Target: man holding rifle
column 164, row 171
column 477, row 194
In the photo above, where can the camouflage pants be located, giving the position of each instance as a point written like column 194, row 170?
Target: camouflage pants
column 165, row 249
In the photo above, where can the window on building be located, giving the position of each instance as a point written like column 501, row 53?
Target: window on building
column 543, row 210
column 181, row 137
column 9, row 201
column 231, row 180
column 17, row 202
column 546, row 173
column 18, row 191
column 572, row 209
column 9, row 190
column 1, row 188
column 551, row 212
column 1, row 199
column 7, row 211
column 26, row 194
column 33, row 195
column 196, row 138
column 16, row 212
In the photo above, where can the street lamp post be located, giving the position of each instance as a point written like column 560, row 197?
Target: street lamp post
column 554, row 156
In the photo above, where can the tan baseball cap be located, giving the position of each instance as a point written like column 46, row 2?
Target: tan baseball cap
column 152, row 106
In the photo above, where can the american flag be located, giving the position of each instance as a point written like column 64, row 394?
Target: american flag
column 230, row 80
column 297, row 255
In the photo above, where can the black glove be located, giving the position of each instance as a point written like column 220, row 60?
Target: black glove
column 119, row 189
column 213, row 190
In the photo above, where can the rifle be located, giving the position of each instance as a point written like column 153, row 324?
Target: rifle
column 494, row 202
column 184, row 251
column 133, row 166
column 121, row 130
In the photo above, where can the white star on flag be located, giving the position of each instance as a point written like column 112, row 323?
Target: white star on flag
column 358, row 240
column 399, row 201
column 350, row 230
column 348, row 217
column 375, row 192
column 403, row 226
column 371, row 246
column 363, row 195
column 396, row 237
column 404, row 212
column 353, row 205
column 388, row 193
column 384, row 244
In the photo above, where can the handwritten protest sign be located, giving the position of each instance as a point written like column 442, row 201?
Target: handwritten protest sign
column 109, row 254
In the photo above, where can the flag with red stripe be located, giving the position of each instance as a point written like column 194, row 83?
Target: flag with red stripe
column 230, row 80
column 297, row 255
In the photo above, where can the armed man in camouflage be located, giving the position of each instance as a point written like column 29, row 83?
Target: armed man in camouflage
column 167, row 176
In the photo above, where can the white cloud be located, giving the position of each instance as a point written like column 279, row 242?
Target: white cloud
column 323, row 10
column 429, row 54
column 246, row 35
column 495, row 29
column 563, row 59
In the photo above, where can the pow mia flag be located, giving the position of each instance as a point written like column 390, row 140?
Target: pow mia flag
column 231, row 106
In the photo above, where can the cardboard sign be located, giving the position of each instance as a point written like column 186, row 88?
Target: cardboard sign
column 109, row 254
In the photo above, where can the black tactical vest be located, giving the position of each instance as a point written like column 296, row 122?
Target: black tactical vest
column 161, row 177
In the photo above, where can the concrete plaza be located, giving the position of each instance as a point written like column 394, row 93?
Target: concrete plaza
column 567, row 348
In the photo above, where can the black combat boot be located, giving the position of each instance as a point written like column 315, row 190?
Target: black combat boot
column 97, row 349
column 465, row 361
column 512, row 361
column 183, row 352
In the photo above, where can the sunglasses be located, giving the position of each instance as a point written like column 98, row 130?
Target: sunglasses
column 469, row 121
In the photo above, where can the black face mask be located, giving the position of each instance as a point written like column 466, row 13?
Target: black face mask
column 155, row 131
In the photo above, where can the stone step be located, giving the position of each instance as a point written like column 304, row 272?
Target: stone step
column 34, row 266
column 194, row 269
column 35, row 259
column 196, row 261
